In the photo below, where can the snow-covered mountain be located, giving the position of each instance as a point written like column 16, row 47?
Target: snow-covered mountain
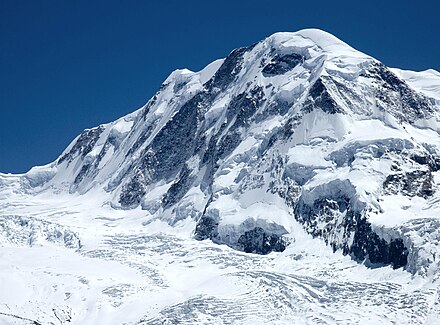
column 299, row 146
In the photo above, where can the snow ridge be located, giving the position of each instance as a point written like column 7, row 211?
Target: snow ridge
column 298, row 148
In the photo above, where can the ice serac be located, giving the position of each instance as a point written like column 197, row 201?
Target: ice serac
column 297, row 128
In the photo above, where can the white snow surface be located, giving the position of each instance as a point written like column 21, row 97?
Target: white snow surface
column 131, row 270
column 70, row 253
column 427, row 82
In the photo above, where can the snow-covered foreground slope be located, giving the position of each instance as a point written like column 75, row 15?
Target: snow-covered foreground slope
column 129, row 270
column 314, row 166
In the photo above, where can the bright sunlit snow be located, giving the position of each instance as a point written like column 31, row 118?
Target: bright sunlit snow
column 293, row 182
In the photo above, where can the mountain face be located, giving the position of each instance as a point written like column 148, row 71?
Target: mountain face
column 299, row 132
column 299, row 120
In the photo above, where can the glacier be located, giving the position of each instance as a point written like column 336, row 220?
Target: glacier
column 293, row 182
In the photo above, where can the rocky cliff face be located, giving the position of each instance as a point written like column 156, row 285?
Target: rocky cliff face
column 299, row 127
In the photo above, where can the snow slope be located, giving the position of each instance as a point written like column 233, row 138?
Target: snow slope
column 131, row 270
column 313, row 165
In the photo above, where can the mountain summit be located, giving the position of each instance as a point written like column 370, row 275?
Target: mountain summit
column 296, row 138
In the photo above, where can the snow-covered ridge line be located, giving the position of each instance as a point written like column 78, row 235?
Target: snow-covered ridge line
column 262, row 139
column 293, row 177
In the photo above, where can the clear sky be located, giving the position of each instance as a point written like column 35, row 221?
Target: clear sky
column 69, row 65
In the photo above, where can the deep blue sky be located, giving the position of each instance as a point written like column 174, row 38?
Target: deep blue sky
column 70, row 65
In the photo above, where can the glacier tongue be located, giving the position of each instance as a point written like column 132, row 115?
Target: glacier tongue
column 298, row 145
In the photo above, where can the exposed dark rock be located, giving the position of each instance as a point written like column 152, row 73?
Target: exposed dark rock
column 240, row 112
column 178, row 86
column 269, row 141
column 428, row 160
column 79, row 177
column 415, row 183
column 210, row 151
column 150, row 104
column 280, row 64
column 89, row 167
column 110, row 142
column 319, row 97
column 165, row 157
column 207, row 227
column 348, row 95
column 133, row 192
column 227, row 72
column 278, row 107
column 142, row 138
column 287, row 189
column 244, row 106
column 178, row 189
column 281, row 107
column 334, row 214
column 368, row 245
column 288, row 129
column 85, row 143
column 258, row 241
column 228, row 144
column 174, row 143
column 413, row 106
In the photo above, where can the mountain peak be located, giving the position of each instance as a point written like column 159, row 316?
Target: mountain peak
column 282, row 125
column 315, row 41
column 298, row 144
